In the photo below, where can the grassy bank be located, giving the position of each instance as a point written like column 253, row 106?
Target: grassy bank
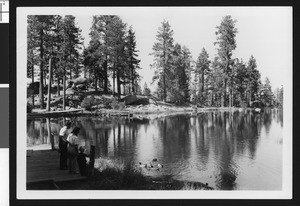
column 115, row 175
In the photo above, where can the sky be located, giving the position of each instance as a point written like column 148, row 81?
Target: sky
column 264, row 32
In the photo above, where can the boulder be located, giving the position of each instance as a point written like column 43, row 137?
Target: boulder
column 130, row 99
column 152, row 101
column 34, row 87
column 81, row 86
column 70, row 91
column 142, row 101
column 80, row 80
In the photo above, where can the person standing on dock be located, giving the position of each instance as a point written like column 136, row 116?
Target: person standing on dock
column 81, row 160
column 73, row 150
column 63, row 145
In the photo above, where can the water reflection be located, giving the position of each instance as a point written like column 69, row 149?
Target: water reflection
column 227, row 150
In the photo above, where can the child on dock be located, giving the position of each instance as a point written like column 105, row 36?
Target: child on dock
column 82, row 163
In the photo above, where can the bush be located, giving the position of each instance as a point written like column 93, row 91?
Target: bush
column 132, row 176
column 88, row 102
column 117, row 105
column 29, row 108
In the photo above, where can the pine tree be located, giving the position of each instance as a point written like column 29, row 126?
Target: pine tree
column 132, row 61
column 266, row 93
column 72, row 41
column 101, row 33
column 187, row 64
column 41, row 28
column 241, row 82
column 162, row 52
column 253, row 79
column 32, row 49
column 146, row 90
column 202, row 68
column 226, row 34
column 215, row 81
column 92, row 60
column 179, row 75
column 70, row 44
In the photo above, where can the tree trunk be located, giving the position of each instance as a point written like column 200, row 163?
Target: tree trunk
column 70, row 60
column 124, row 89
column 49, row 86
column 105, row 76
column 164, row 73
column 230, row 95
column 58, row 87
column 96, row 80
column 202, row 79
column 241, row 99
column 41, row 91
column 118, row 83
column 224, row 94
column 132, row 81
column 32, row 80
column 84, row 72
column 114, row 73
column 164, row 79
column 250, row 103
column 64, row 92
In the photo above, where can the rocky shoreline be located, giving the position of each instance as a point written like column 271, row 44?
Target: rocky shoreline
column 150, row 110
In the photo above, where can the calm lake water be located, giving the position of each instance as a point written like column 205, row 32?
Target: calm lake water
column 227, row 150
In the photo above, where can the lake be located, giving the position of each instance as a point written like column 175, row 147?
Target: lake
column 227, row 150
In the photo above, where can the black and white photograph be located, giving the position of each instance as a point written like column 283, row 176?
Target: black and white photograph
column 154, row 102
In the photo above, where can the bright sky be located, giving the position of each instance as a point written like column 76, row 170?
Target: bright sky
column 264, row 32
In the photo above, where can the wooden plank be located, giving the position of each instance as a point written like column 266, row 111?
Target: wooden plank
column 43, row 165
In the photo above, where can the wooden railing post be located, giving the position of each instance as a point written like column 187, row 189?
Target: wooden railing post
column 92, row 160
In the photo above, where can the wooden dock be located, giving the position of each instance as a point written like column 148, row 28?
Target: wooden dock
column 43, row 166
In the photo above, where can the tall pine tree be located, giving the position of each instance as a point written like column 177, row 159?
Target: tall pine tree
column 202, row 68
column 162, row 52
column 226, row 42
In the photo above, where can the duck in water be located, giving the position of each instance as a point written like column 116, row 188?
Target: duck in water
column 142, row 165
column 151, row 165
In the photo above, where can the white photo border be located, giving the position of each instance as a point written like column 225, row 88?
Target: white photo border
column 22, row 193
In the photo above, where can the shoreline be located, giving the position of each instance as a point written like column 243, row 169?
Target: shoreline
column 139, row 111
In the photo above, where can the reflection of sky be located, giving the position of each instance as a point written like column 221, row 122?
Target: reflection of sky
column 148, row 144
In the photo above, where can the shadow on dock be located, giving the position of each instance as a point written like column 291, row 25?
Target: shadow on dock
column 43, row 170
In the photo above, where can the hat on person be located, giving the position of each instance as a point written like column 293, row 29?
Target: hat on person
column 76, row 130
column 68, row 124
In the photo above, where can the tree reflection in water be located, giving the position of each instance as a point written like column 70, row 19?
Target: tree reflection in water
column 220, row 148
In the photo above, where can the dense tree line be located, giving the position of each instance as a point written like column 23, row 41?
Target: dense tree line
column 55, row 49
column 56, row 55
column 53, row 44
column 173, row 65
column 226, row 81
column 112, row 50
